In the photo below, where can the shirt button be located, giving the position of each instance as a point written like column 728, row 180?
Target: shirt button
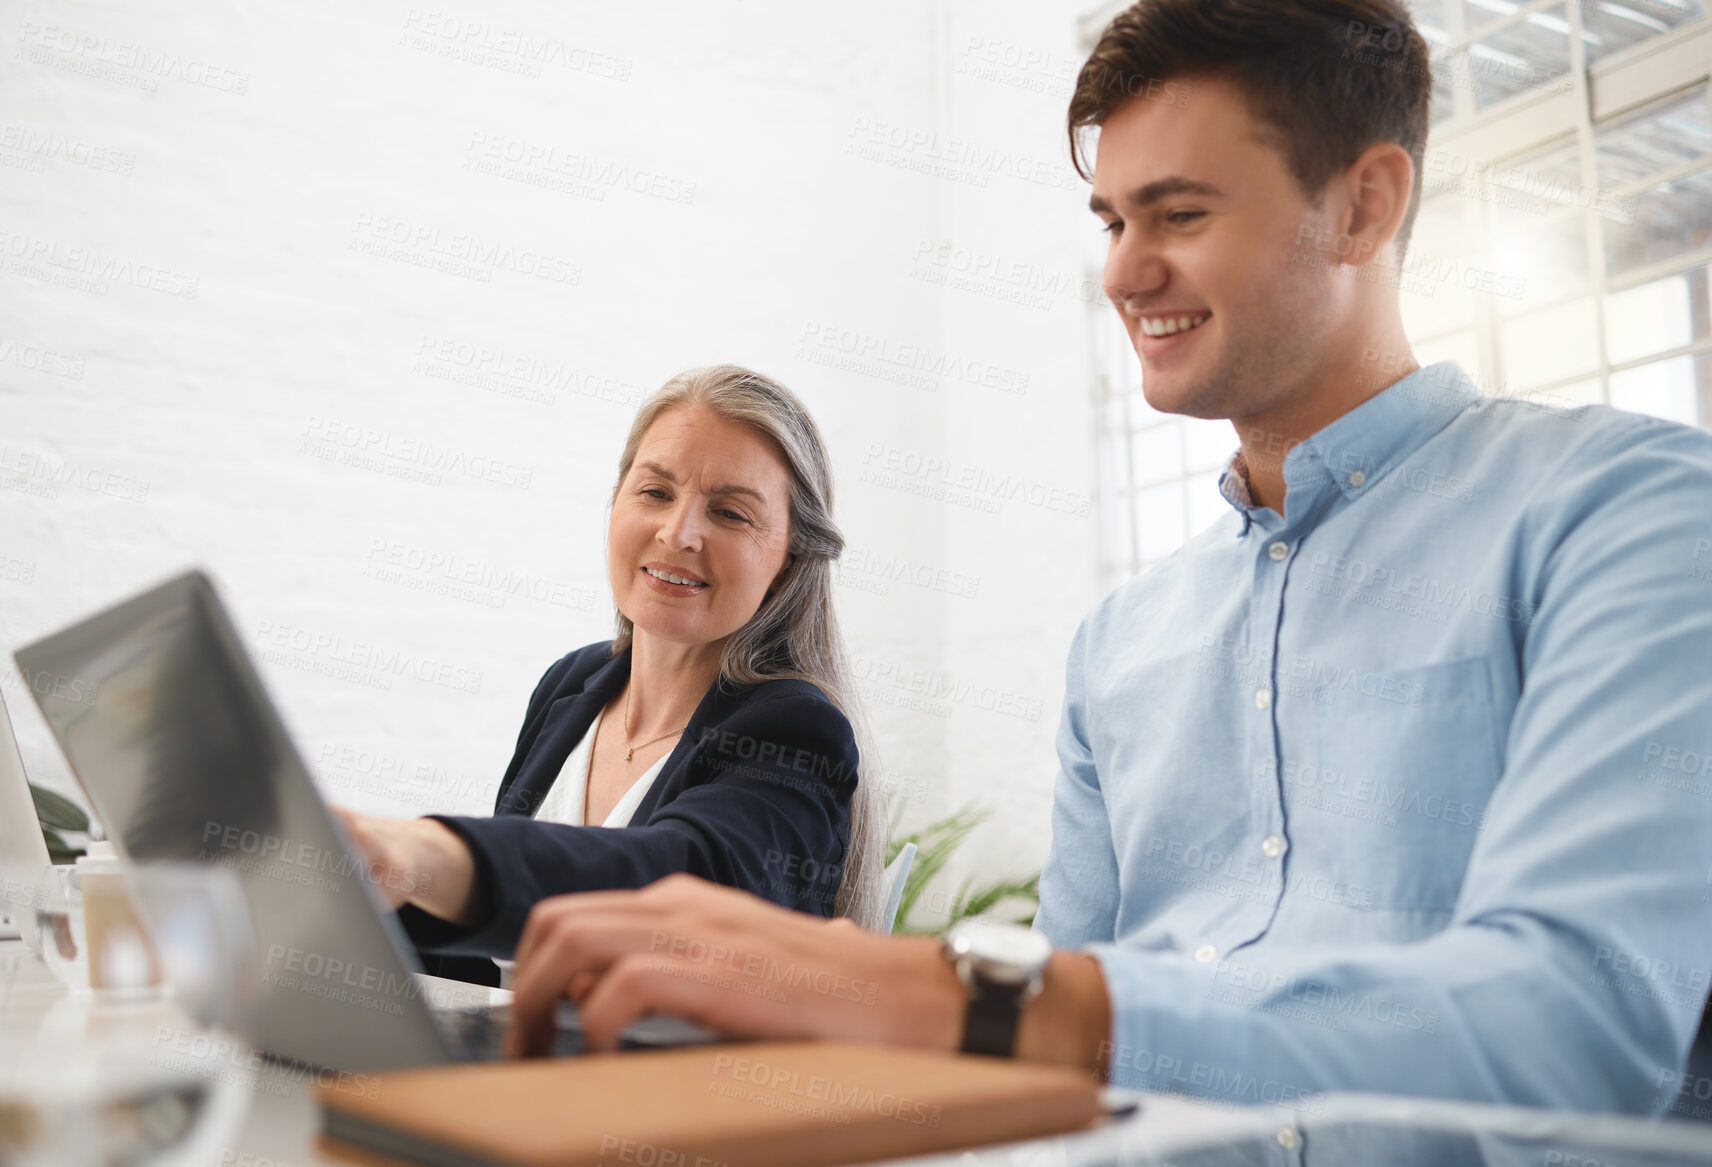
column 1206, row 954
column 1288, row 1138
column 1357, row 478
column 1279, row 551
column 1263, row 698
column 1272, row 846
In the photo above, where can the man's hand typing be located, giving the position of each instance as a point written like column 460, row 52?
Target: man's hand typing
column 738, row 965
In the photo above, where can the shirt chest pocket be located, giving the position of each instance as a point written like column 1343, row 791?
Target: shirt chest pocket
column 1405, row 764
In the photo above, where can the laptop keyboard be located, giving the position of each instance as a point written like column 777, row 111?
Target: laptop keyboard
column 481, row 1030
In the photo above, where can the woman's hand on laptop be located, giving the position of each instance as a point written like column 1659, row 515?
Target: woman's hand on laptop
column 414, row 861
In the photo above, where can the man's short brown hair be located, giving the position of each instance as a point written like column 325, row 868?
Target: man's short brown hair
column 1331, row 77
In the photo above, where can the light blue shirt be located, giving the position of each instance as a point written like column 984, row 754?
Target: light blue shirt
column 1408, row 790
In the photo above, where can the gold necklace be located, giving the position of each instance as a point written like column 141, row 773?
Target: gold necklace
column 646, row 744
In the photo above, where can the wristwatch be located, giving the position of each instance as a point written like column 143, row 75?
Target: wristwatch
column 1003, row 967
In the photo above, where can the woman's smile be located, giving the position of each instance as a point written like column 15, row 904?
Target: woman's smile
column 674, row 581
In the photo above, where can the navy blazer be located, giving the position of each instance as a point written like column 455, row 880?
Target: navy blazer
column 756, row 795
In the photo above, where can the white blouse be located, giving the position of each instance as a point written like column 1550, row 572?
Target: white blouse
column 565, row 799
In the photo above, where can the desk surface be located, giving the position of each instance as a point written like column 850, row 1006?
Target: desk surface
column 282, row 1121
column 280, row 1128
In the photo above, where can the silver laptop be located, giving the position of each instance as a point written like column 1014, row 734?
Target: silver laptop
column 183, row 757
column 23, row 852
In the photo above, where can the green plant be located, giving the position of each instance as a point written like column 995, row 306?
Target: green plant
column 935, row 844
column 58, row 813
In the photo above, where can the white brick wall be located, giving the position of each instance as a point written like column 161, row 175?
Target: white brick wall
column 622, row 191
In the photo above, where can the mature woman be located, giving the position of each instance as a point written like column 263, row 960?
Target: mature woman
column 715, row 735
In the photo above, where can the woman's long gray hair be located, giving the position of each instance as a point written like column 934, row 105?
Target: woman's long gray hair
column 795, row 633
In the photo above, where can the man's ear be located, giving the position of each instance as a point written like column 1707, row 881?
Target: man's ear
column 1378, row 186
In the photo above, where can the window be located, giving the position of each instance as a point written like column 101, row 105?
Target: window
column 1562, row 250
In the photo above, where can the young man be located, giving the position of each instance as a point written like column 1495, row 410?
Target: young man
column 1389, row 781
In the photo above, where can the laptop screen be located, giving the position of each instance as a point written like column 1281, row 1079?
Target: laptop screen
column 183, row 757
column 23, row 852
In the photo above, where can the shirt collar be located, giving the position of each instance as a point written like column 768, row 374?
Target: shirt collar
column 1233, row 483
column 1365, row 444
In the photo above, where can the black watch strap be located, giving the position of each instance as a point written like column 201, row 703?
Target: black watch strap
column 991, row 1024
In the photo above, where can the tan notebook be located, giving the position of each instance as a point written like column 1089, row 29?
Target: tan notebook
column 784, row 1104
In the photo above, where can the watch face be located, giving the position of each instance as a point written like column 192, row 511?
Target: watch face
column 1006, row 952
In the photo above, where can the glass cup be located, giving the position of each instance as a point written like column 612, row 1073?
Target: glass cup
column 60, row 940
column 142, row 1075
